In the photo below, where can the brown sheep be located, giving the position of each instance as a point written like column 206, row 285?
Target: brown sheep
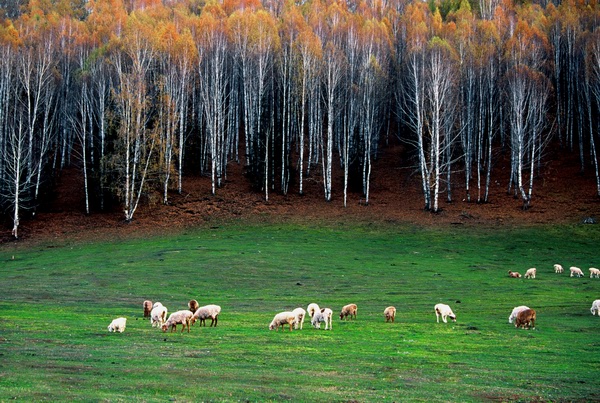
column 514, row 274
column 349, row 310
column 147, row 308
column 526, row 319
column 390, row 314
column 193, row 305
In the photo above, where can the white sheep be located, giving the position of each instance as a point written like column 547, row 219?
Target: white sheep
column 349, row 310
column 530, row 273
column 180, row 317
column 117, row 325
column 595, row 309
column 594, row 272
column 281, row 319
column 444, row 311
column 311, row 309
column 300, row 315
column 206, row 312
column 390, row 314
column 515, row 312
column 158, row 315
column 323, row 315
column 576, row 272
column 558, row 268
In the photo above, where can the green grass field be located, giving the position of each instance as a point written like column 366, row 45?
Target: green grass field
column 57, row 300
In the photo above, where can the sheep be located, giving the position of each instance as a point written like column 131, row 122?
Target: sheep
column 575, row 272
column 311, row 309
column 594, row 272
column 390, row 314
column 193, row 305
column 525, row 319
column 515, row 312
column 324, row 315
column 147, row 308
column 158, row 315
column 530, row 273
column 445, row 312
column 558, row 268
column 117, row 325
column 595, row 309
column 281, row 319
column 300, row 315
column 514, row 274
column 349, row 310
column 205, row 312
column 180, row 317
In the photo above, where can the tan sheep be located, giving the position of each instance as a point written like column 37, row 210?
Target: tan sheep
column 514, row 274
column 180, row 317
column 207, row 312
column 525, row 319
column 193, row 305
column 349, row 311
column 390, row 314
column 147, row 308
column 281, row 319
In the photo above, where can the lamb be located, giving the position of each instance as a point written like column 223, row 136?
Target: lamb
column 281, row 319
column 514, row 274
column 311, row 309
column 193, row 305
column 300, row 315
column 147, row 308
column 515, row 312
column 525, row 319
column 390, row 314
column 324, row 315
column 158, row 315
column 349, row 310
column 595, row 309
column 530, row 273
column 205, row 312
column 594, row 272
column 576, row 272
column 180, row 317
column 117, row 325
column 444, row 311
column 558, row 268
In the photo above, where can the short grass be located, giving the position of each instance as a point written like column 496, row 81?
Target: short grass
column 57, row 300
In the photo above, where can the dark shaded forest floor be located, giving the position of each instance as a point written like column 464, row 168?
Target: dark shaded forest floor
column 561, row 195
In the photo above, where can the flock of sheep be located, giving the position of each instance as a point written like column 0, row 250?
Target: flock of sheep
column 522, row 316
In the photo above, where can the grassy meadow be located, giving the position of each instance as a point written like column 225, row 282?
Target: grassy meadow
column 57, row 300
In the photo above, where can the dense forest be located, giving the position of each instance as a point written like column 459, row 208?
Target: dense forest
column 138, row 93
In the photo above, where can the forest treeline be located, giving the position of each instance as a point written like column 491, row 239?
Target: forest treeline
column 138, row 93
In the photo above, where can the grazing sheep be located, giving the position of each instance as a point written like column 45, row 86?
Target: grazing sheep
column 180, row 317
column 576, row 272
column 300, row 315
column 525, row 319
column 594, row 272
column 147, row 308
column 117, row 325
column 444, row 311
column 514, row 274
column 205, row 312
column 515, row 312
column 530, row 273
column 311, row 309
column 193, row 305
column 281, row 319
column 390, row 314
column 558, row 268
column 324, row 315
column 158, row 315
column 595, row 309
column 349, row 310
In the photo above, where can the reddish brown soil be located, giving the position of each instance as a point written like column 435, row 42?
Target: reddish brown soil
column 561, row 195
